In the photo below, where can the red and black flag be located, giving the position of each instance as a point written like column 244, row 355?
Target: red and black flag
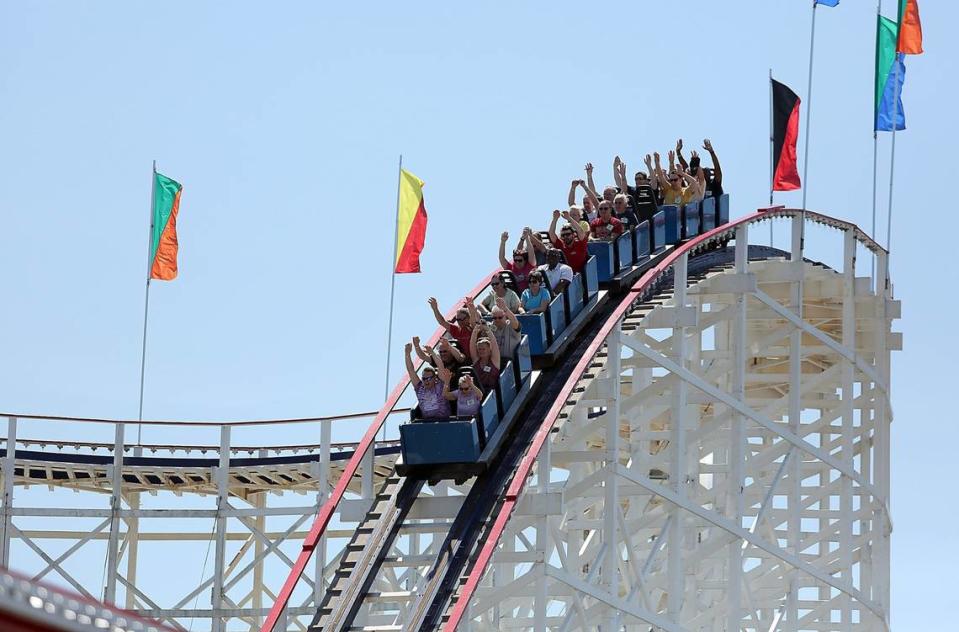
column 785, row 133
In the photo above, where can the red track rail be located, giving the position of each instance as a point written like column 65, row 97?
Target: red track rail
column 326, row 512
column 539, row 439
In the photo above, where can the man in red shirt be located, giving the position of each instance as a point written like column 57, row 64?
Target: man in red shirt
column 606, row 227
column 572, row 240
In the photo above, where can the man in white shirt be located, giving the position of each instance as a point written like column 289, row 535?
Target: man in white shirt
column 557, row 273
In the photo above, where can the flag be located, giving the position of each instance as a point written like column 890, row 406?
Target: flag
column 910, row 29
column 163, row 242
column 890, row 74
column 828, row 3
column 410, row 224
column 785, row 133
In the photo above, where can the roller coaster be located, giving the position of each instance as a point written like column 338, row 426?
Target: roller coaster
column 694, row 438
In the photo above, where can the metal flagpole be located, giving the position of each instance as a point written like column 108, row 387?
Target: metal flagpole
column 772, row 158
column 805, row 167
column 875, row 144
column 389, row 335
column 146, row 302
column 892, row 157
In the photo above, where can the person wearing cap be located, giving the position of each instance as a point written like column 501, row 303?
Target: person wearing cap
column 428, row 389
column 556, row 272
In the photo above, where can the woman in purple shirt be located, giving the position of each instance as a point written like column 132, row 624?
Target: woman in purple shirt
column 428, row 389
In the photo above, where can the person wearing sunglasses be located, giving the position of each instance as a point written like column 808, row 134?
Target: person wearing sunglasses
column 505, row 328
column 573, row 240
column 486, row 357
column 448, row 355
column 523, row 260
column 672, row 187
column 428, row 389
column 606, row 227
column 555, row 271
column 536, row 297
column 498, row 289
column 462, row 324
column 468, row 396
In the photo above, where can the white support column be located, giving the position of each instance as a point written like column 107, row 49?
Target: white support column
column 113, row 545
column 323, row 493
column 882, row 442
column 677, row 448
column 542, row 539
column 794, row 476
column 258, row 501
column 367, row 466
column 848, row 401
column 133, row 543
column 9, row 464
column 222, row 501
column 611, row 500
column 737, row 447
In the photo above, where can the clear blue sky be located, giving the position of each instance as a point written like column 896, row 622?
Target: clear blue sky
column 284, row 122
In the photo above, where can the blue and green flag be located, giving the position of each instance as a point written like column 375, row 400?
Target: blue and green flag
column 890, row 74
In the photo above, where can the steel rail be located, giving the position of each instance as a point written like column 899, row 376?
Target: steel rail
column 326, row 512
column 646, row 283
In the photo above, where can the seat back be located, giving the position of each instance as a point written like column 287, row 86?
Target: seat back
column 708, row 206
column 691, row 224
column 624, row 251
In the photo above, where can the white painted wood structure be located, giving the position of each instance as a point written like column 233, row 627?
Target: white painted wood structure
column 723, row 464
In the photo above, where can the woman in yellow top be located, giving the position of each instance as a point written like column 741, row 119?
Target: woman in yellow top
column 672, row 186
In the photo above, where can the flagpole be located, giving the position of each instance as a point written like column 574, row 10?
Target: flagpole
column 892, row 156
column 875, row 144
column 772, row 159
column 805, row 167
column 146, row 301
column 389, row 335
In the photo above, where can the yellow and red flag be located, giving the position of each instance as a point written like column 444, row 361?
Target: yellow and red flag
column 410, row 224
column 163, row 242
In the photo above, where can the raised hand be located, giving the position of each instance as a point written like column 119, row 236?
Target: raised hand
column 649, row 161
column 501, row 302
column 708, row 146
column 565, row 215
column 468, row 380
column 444, row 343
column 408, row 347
column 504, row 237
column 433, row 303
column 695, row 154
column 656, row 157
column 672, row 156
column 445, row 375
column 416, row 340
column 589, row 167
column 556, row 214
column 679, row 145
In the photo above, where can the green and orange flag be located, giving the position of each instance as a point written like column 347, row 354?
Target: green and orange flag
column 410, row 224
column 163, row 243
